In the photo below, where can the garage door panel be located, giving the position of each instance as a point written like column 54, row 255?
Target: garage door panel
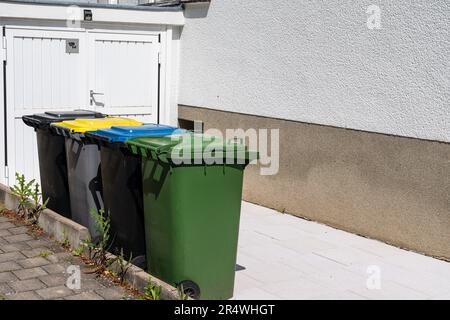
column 41, row 76
column 45, row 76
column 25, row 153
column 115, row 63
column 125, row 73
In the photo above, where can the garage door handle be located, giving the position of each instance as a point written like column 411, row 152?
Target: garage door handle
column 92, row 93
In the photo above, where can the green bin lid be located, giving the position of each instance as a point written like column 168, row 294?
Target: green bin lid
column 192, row 146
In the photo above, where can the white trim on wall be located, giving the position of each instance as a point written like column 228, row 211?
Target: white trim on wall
column 112, row 15
column 164, row 80
column 2, row 110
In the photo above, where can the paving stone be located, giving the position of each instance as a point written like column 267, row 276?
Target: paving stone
column 29, row 273
column 27, row 285
column 35, row 252
column 5, row 289
column 19, row 238
column 9, row 266
column 7, row 276
column 5, row 233
column 15, row 247
column 54, row 280
column 105, row 282
column 11, row 256
column 18, row 230
column 54, row 268
column 4, row 219
column 25, row 275
column 56, row 248
column 30, row 295
column 85, row 296
column 52, row 258
column 38, row 243
column 6, row 225
column 54, row 292
column 63, row 257
column 33, row 262
column 113, row 293
column 88, row 284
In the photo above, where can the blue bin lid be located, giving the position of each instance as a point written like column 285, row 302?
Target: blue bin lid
column 123, row 133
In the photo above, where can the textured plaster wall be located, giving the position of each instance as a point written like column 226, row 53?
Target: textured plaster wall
column 317, row 62
column 390, row 188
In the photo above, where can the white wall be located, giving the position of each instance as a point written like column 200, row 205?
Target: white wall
column 316, row 61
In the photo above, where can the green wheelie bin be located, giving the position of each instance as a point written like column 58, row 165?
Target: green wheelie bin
column 192, row 188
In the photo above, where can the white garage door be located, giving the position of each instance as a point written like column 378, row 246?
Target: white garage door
column 124, row 72
column 113, row 73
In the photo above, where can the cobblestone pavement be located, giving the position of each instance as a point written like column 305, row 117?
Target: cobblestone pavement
column 35, row 268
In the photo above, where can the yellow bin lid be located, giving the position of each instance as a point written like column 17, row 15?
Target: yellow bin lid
column 84, row 125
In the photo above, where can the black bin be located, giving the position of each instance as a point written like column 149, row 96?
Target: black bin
column 52, row 156
column 122, row 185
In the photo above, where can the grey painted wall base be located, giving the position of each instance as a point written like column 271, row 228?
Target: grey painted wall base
column 385, row 187
column 8, row 199
column 61, row 228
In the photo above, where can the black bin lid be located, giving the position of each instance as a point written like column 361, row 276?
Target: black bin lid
column 43, row 120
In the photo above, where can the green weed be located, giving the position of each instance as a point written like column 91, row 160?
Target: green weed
column 151, row 291
column 30, row 198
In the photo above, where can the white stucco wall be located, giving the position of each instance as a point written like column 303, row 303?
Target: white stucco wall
column 316, row 61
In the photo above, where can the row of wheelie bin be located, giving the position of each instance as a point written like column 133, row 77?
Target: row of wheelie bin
column 173, row 196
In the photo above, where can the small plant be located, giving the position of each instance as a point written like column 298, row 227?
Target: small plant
column 22, row 190
column 66, row 242
column 44, row 254
column 30, row 198
column 151, row 291
column 181, row 294
column 122, row 264
column 36, row 205
column 80, row 250
column 98, row 251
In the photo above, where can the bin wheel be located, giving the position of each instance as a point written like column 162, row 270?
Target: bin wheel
column 139, row 261
column 190, row 288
